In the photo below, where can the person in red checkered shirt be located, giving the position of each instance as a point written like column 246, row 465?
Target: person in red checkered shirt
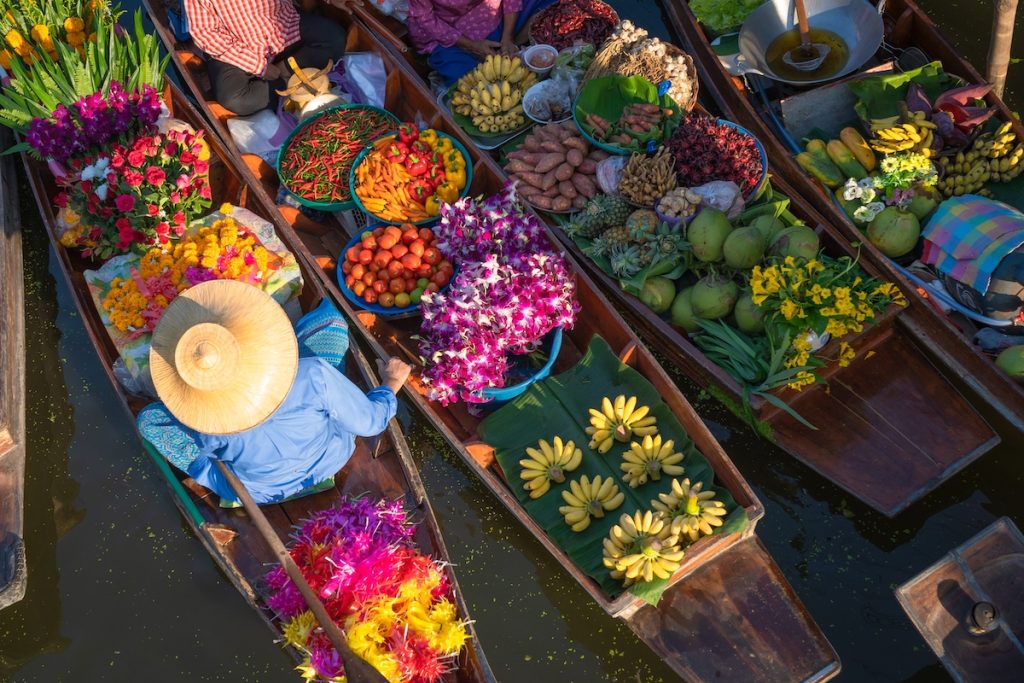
column 248, row 41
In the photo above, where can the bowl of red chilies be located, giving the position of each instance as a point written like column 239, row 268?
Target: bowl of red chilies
column 315, row 159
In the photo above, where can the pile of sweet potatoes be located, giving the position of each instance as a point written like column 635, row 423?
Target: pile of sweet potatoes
column 556, row 167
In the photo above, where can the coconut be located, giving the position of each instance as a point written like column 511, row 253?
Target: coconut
column 1010, row 361
column 921, row 205
column 706, row 234
column 658, row 293
column 798, row 241
column 894, row 232
column 714, row 297
column 682, row 311
column 749, row 316
column 744, row 248
column 768, row 225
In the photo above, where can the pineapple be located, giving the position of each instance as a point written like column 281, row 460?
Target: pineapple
column 625, row 260
column 600, row 213
column 641, row 224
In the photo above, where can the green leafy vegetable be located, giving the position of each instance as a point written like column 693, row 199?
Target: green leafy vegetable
column 719, row 15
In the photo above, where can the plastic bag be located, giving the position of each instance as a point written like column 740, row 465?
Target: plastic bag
column 399, row 9
column 609, row 173
column 259, row 134
column 140, row 386
column 550, row 100
column 723, row 195
column 364, row 78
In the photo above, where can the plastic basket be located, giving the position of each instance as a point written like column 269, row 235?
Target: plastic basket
column 323, row 206
column 495, row 397
column 747, row 194
column 377, row 219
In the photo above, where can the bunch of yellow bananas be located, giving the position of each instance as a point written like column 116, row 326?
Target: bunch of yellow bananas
column 995, row 156
column 619, row 421
column 548, row 464
column 588, row 498
column 693, row 512
column 648, row 459
column 491, row 94
column 905, row 137
column 641, row 547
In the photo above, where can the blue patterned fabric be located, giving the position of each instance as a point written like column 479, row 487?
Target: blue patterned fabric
column 173, row 440
column 323, row 333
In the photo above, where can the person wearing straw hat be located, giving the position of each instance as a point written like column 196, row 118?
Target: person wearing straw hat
column 226, row 365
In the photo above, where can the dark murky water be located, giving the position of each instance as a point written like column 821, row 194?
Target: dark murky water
column 119, row 590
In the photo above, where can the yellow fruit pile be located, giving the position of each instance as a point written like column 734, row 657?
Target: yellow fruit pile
column 492, row 94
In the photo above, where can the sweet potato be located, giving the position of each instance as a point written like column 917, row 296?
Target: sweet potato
column 561, row 133
column 579, row 202
column 561, row 204
column 567, row 189
column 535, row 179
column 528, row 191
column 548, row 180
column 577, row 142
column 564, row 171
column 549, row 162
column 552, row 146
column 542, row 202
column 574, row 157
column 588, row 167
column 517, row 166
column 584, row 185
column 598, row 155
column 532, row 144
column 551, row 192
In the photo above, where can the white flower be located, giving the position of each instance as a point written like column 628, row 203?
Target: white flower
column 851, row 190
column 101, row 192
column 868, row 195
column 868, row 182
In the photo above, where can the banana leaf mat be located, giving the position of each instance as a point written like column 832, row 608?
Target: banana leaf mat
column 559, row 406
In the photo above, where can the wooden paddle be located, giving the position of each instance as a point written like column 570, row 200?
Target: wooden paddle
column 357, row 669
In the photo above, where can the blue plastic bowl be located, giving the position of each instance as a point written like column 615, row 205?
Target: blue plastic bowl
column 357, row 301
column 362, row 155
column 747, row 194
column 496, row 397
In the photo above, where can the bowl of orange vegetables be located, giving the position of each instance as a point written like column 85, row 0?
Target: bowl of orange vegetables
column 405, row 176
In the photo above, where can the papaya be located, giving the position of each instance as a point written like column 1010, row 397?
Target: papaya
column 842, row 157
column 816, row 162
column 859, row 147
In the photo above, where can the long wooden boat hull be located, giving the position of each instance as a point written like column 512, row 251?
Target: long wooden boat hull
column 13, row 566
column 906, row 25
column 734, row 570
column 382, row 466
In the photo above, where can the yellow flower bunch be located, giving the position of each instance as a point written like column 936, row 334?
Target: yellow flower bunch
column 28, row 25
column 821, row 295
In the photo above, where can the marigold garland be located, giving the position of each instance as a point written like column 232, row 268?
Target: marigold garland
column 393, row 603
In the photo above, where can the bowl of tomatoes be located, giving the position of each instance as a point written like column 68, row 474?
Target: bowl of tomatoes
column 388, row 268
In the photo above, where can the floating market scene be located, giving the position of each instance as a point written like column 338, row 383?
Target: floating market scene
column 465, row 341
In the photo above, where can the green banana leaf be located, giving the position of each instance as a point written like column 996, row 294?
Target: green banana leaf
column 608, row 96
column 879, row 97
column 559, row 406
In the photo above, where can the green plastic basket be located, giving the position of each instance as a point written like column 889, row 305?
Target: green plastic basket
column 313, row 204
column 362, row 155
column 612, row 94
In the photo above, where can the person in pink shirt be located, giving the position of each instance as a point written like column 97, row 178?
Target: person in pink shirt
column 458, row 34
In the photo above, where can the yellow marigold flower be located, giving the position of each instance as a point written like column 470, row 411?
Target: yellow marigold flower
column 74, row 25
column 40, row 33
column 226, row 208
column 14, row 38
column 76, row 39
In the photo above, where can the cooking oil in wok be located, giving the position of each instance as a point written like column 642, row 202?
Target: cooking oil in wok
column 838, row 53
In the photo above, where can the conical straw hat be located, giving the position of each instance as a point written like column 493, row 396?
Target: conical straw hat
column 223, row 357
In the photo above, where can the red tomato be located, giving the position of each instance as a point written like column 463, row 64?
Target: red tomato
column 349, row 281
column 365, row 257
column 383, row 274
column 377, row 232
column 402, row 300
column 417, row 247
column 369, row 241
column 358, row 271
column 445, row 264
column 406, row 273
column 411, row 261
column 386, row 299
column 395, row 268
column 427, row 235
column 410, row 284
column 382, row 258
column 397, row 285
column 358, row 288
column 424, row 270
column 373, row 267
column 352, row 254
column 432, row 256
column 410, row 235
column 370, row 296
column 346, row 267
column 399, row 250
column 369, row 278
column 380, row 286
column 387, row 241
column 440, row 278
column 394, row 231
column 432, row 287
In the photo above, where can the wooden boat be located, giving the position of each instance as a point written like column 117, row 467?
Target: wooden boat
column 382, row 466
column 906, row 26
column 767, row 622
column 988, row 568
column 13, row 568
column 890, row 428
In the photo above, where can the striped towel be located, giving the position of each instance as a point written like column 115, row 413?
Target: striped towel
column 969, row 236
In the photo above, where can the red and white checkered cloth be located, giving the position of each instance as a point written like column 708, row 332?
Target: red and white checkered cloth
column 244, row 33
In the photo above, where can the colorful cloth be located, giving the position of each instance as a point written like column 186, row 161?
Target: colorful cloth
column 439, row 23
column 323, row 333
column 968, row 237
column 243, row 33
column 452, row 63
column 284, row 286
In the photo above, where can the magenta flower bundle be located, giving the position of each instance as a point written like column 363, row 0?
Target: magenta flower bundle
column 510, row 292
column 94, row 121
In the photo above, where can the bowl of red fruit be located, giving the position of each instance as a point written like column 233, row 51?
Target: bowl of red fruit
column 387, row 269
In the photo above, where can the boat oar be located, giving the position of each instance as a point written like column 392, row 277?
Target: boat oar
column 807, row 56
column 357, row 669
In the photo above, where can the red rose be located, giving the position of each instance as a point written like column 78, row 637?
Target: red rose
column 155, row 175
column 175, row 197
column 136, row 158
column 182, row 181
column 204, row 192
column 179, row 230
column 86, row 186
column 106, row 212
column 111, row 177
column 117, row 161
column 152, row 209
column 179, row 218
column 162, row 228
column 187, row 157
column 61, row 200
column 170, row 149
column 202, row 167
column 133, row 178
column 124, row 203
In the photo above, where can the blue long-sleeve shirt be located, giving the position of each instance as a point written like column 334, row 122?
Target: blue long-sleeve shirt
column 309, row 438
